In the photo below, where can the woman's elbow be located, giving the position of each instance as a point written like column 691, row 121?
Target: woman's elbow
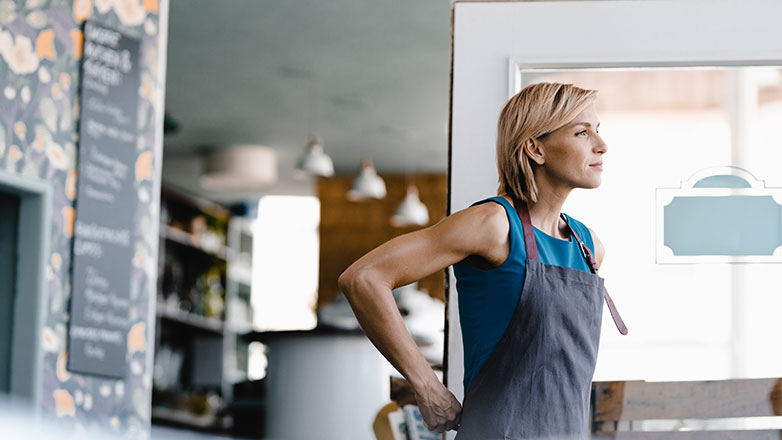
column 348, row 280
column 345, row 280
column 354, row 280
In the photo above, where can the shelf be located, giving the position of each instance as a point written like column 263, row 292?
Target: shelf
column 235, row 376
column 248, row 403
column 184, row 196
column 240, row 328
column 186, row 239
column 180, row 417
column 240, row 274
column 192, row 320
column 193, row 252
column 246, row 227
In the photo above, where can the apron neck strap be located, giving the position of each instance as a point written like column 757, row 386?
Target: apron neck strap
column 526, row 224
column 620, row 325
column 584, row 249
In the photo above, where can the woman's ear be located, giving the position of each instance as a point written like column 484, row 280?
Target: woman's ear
column 533, row 149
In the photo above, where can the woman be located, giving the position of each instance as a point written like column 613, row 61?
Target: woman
column 530, row 302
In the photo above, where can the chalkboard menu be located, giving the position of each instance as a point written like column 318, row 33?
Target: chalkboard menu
column 105, row 204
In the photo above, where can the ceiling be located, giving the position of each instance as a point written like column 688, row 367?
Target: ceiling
column 370, row 77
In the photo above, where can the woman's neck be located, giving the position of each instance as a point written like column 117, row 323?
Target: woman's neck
column 545, row 212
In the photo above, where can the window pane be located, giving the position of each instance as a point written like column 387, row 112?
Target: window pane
column 702, row 319
column 285, row 263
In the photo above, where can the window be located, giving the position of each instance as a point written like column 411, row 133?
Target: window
column 703, row 319
column 285, row 272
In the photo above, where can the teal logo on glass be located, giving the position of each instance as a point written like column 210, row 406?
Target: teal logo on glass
column 719, row 215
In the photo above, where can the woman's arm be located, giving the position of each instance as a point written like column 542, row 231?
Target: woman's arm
column 481, row 230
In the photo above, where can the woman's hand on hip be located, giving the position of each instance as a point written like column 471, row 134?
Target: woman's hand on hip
column 439, row 407
column 481, row 230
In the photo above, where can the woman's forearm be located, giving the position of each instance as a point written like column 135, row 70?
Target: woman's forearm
column 374, row 306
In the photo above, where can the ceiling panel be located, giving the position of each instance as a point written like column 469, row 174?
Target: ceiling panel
column 248, row 71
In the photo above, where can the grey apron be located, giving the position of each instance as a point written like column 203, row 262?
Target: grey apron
column 536, row 384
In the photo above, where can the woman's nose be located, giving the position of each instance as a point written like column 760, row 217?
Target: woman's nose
column 601, row 147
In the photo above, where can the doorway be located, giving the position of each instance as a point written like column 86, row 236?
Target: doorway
column 661, row 84
column 9, row 230
column 25, row 227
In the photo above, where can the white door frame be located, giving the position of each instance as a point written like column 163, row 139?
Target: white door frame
column 488, row 37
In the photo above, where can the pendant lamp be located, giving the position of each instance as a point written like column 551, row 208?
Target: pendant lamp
column 411, row 212
column 367, row 185
column 315, row 161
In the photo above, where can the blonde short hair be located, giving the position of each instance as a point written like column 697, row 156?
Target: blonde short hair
column 535, row 111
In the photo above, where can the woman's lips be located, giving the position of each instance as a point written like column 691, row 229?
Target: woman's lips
column 598, row 165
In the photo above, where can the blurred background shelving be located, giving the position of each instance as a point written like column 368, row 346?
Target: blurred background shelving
column 203, row 311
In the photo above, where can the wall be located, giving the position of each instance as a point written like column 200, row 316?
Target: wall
column 40, row 43
column 348, row 230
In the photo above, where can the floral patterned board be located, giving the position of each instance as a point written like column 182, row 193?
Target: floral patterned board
column 40, row 50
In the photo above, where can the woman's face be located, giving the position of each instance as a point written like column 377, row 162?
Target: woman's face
column 572, row 156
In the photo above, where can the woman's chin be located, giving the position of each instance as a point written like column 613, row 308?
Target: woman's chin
column 592, row 183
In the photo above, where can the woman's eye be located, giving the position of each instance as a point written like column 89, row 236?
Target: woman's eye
column 581, row 132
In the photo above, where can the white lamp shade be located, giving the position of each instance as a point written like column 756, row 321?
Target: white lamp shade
column 315, row 161
column 367, row 185
column 411, row 212
column 239, row 168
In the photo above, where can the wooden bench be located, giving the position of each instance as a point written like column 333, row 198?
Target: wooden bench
column 618, row 407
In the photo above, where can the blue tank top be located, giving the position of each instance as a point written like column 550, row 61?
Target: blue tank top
column 488, row 298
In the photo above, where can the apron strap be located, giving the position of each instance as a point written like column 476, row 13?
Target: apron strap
column 526, row 223
column 532, row 254
column 592, row 265
column 584, row 249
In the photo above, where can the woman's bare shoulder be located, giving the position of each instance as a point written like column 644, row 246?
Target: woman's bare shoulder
column 600, row 250
column 485, row 223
